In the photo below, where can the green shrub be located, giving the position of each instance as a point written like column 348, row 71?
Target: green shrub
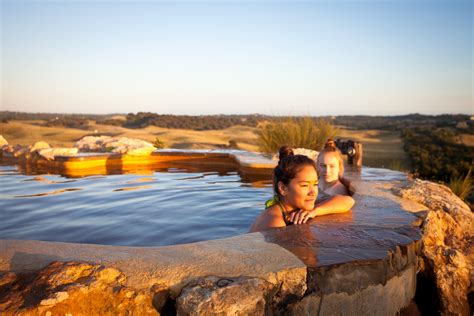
column 158, row 143
column 462, row 186
column 435, row 153
column 303, row 132
column 233, row 144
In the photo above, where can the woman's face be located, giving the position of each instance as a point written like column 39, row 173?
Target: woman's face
column 302, row 190
column 328, row 167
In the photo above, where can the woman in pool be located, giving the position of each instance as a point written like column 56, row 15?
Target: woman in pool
column 295, row 182
column 331, row 169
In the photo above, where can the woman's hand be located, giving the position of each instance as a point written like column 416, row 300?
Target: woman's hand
column 301, row 217
column 334, row 204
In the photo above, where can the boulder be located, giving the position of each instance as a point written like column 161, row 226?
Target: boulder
column 51, row 153
column 39, row 145
column 448, row 250
column 17, row 151
column 3, row 141
column 39, row 149
column 56, row 289
column 92, row 143
column 313, row 154
column 6, row 151
column 119, row 145
column 21, row 152
column 228, row 296
column 438, row 197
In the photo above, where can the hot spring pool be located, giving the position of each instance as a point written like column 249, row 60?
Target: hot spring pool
column 167, row 206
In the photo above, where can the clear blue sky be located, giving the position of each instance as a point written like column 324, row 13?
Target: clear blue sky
column 278, row 58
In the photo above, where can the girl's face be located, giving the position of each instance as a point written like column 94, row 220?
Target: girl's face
column 302, row 190
column 328, row 167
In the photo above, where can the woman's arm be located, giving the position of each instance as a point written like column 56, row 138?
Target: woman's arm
column 332, row 205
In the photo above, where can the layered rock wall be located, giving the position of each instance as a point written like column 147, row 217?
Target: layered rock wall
column 448, row 244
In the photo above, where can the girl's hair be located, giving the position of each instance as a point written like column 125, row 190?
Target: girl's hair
column 288, row 166
column 330, row 147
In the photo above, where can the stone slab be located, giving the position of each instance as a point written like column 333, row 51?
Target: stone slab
column 173, row 266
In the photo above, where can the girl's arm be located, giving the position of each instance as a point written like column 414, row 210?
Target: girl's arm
column 334, row 204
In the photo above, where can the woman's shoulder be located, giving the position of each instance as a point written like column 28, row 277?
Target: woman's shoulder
column 272, row 211
column 270, row 217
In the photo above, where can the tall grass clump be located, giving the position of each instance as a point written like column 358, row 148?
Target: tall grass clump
column 462, row 186
column 303, row 132
column 158, row 143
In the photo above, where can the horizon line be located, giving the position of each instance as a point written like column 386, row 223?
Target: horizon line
column 241, row 114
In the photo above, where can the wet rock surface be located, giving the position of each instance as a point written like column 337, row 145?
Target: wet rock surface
column 448, row 244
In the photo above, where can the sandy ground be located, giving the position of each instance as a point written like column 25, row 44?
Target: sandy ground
column 381, row 148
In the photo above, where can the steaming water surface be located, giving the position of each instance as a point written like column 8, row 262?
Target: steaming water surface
column 167, row 207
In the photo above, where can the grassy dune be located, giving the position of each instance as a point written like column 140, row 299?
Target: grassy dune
column 29, row 132
column 381, row 148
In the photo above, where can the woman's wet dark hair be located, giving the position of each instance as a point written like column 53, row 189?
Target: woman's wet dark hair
column 288, row 167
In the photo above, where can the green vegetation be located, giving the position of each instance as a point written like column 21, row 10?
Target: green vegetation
column 462, row 186
column 199, row 123
column 400, row 122
column 437, row 155
column 158, row 143
column 233, row 144
column 12, row 116
column 303, row 132
column 68, row 121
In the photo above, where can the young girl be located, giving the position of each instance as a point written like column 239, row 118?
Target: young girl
column 330, row 167
column 295, row 183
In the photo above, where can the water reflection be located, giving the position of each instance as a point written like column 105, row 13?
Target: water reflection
column 246, row 178
column 140, row 180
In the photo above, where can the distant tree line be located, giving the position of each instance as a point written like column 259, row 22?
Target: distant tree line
column 208, row 122
column 400, row 122
column 67, row 121
column 12, row 116
column 436, row 153
column 202, row 122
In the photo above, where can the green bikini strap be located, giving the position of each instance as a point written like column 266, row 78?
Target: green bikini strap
column 274, row 200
